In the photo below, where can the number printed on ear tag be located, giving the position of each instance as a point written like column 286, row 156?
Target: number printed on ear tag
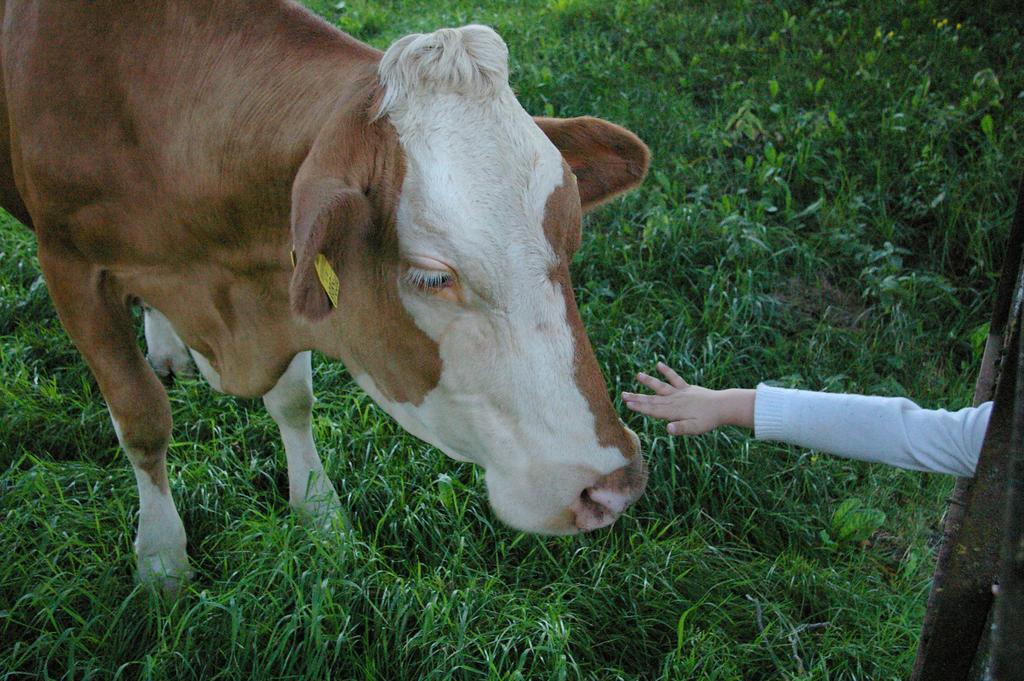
column 328, row 279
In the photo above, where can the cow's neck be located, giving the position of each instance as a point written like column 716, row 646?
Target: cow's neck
column 270, row 84
column 290, row 74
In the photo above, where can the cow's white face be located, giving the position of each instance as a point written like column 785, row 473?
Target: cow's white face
column 487, row 218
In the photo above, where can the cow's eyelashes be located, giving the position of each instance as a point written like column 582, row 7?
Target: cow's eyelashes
column 429, row 280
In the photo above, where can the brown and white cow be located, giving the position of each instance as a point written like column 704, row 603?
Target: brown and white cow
column 183, row 153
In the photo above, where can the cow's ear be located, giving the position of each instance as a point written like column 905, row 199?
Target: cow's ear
column 327, row 218
column 606, row 159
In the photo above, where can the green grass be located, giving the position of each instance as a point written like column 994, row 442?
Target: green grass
column 831, row 188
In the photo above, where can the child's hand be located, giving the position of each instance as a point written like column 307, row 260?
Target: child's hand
column 690, row 409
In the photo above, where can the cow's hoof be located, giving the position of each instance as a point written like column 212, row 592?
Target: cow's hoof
column 325, row 514
column 166, row 571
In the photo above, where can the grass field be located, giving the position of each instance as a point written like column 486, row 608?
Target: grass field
column 831, row 186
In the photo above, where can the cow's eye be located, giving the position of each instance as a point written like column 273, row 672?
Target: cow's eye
column 429, row 280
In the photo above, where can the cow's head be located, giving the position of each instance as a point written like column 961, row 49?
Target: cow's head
column 450, row 216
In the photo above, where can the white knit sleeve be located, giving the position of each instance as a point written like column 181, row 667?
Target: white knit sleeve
column 890, row 430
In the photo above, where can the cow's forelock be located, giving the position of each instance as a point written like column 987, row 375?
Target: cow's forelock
column 470, row 61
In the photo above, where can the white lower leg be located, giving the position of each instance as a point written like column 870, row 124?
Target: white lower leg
column 160, row 541
column 290, row 403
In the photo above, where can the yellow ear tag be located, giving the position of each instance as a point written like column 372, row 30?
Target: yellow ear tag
column 328, row 279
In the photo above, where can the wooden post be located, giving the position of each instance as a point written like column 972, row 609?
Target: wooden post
column 1008, row 635
column 968, row 561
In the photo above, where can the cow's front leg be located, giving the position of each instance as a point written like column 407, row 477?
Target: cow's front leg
column 160, row 540
column 165, row 351
column 290, row 403
column 93, row 310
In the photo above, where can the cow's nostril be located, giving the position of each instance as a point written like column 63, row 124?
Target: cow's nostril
column 592, row 507
column 591, row 514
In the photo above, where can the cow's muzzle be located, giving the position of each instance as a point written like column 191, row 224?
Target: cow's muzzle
column 600, row 504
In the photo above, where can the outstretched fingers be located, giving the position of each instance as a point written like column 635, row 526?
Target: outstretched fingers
column 658, row 406
column 659, row 387
column 674, row 379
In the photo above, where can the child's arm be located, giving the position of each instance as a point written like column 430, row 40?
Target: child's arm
column 889, row 430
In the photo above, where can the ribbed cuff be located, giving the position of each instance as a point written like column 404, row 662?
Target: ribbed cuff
column 769, row 412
